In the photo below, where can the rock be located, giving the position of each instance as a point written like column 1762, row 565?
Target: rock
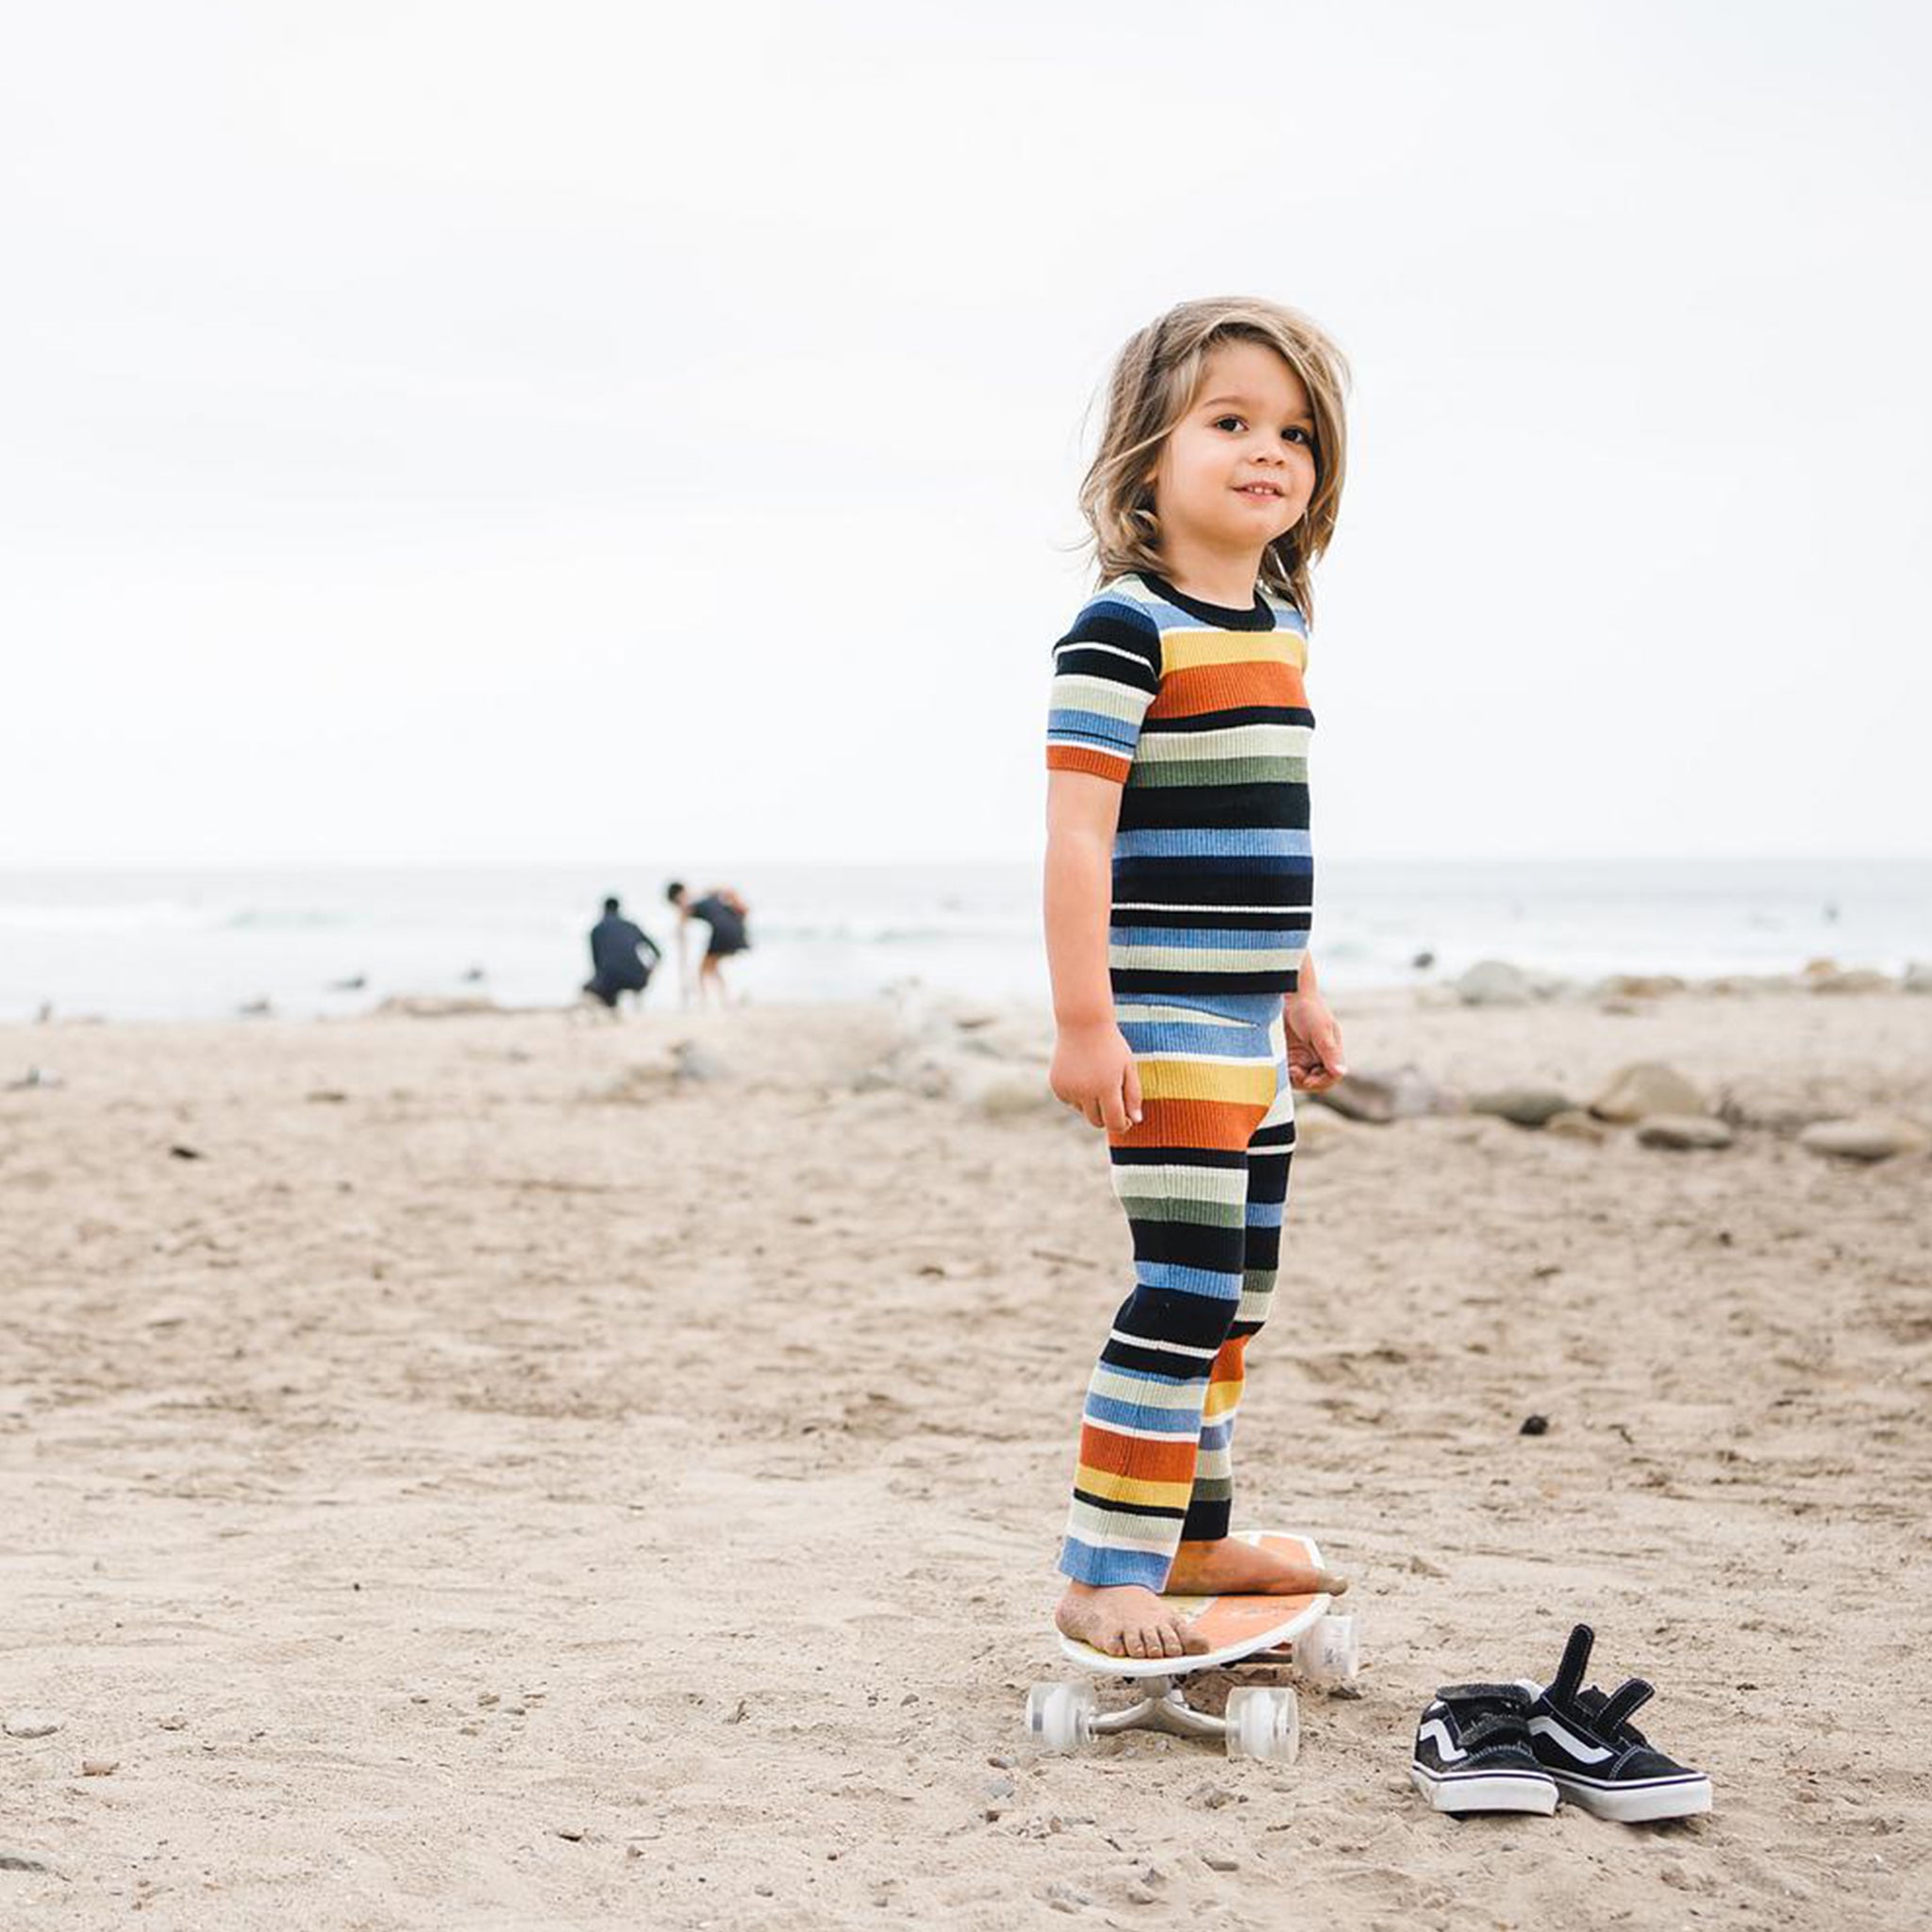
column 30, row 1723
column 690, row 1061
column 1407, row 1093
column 425, row 1006
column 180, row 1152
column 99, row 1767
column 1217, row 1861
column 1493, row 983
column 1646, row 1086
column 1682, row 1131
column 15, row 1861
column 1639, row 986
column 998, row 1787
column 1774, row 1108
column 1864, row 1137
column 1528, row 1106
column 1535, row 1425
column 1575, row 1124
column 1918, row 977
column 572, row 1832
column 1859, row 980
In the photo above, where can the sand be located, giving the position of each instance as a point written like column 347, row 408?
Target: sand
column 504, row 1483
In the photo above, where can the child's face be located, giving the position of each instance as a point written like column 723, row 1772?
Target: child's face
column 1238, row 470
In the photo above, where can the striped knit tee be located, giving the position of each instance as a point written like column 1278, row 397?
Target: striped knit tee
column 1198, row 712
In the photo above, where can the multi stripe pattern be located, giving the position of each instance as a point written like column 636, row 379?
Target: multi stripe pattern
column 1199, row 712
column 1203, row 1181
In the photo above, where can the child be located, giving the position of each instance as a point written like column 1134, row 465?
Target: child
column 724, row 914
column 1178, row 897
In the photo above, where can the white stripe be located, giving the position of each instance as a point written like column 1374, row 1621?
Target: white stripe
column 1436, row 1729
column 1549, row 1727
column 1119, row 1387
column 1203, row 1354
column 1093, row 1422
column 1132, row 657
column 1188, row 906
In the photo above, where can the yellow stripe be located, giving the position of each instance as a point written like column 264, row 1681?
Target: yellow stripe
column 1222, row 1396
column 1203, row 1080
column 1127, row 1488
column 1188, row 650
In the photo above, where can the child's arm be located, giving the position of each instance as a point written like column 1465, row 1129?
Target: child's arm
column 1092, row 1064
column 1314, row 1041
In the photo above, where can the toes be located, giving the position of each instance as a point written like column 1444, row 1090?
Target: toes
column 1137, row 1643
column 1193, row 1643
column 1170, row 1641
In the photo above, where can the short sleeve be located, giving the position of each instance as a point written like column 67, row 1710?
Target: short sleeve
column 1107, row 672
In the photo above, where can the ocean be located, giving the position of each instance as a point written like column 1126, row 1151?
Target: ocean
column 163, row 944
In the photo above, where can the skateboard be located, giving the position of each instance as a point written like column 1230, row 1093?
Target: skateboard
column 1263, row 1720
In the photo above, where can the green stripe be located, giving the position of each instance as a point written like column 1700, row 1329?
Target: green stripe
column 1166, row 1207
column 1211, row 772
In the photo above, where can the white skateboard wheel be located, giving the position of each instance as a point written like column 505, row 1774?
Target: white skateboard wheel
column 1062, row 1715
column 1264, row 1721
column 1330, row 1655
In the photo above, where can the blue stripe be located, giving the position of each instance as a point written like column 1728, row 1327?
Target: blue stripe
column 1135, row 1415
column 1091, row 724
column 1248, row 1041
column 1195, row 938
column 1269, row 841
column 1210, row 1282
column 1218, row 1434
column 1264, row 1215
column 1084, row 1564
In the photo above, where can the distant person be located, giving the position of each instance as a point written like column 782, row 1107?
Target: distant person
column 617, row 962
column 725, row 913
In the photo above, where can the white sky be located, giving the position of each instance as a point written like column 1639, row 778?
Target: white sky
column 454, row 432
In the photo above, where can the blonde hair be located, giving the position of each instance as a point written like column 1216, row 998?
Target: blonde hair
column 1153, row 383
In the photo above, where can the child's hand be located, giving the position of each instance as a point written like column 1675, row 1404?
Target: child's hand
column 1315, row 1043
column 1093, row 1072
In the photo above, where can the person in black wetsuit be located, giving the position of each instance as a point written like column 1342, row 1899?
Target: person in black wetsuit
column 725, row 913
column 617, row 962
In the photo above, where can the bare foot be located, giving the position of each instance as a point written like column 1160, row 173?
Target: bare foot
column 1239, row 1569
column 1124, row 1619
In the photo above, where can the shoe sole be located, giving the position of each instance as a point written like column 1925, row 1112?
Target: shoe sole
column 1637, row 1804
column 1486, row 1791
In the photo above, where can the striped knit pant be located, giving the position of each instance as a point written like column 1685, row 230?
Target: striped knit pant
column 1204, row 1180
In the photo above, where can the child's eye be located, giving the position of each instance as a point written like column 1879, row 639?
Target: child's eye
column 1229, row 422
column 1307, row 436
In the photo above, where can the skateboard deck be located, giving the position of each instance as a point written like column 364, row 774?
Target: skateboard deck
column 1234, row 1627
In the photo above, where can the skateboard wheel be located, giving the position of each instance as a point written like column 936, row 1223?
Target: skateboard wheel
column 1330, row 1655
column 1062, row 1715
column 1264, row 1721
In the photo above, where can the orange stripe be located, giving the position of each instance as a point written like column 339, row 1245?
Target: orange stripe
column 1221, row 1124
column 1139, row 1455
column 1219, row 687
column 1080, row 757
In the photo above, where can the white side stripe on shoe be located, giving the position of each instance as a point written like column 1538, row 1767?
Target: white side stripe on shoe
column 1551, row 1727
column 1436, row 1729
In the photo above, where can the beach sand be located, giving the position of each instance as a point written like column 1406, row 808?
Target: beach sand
column 507, row 1481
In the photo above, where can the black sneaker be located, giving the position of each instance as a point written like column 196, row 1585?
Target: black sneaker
column 1598, row 1757
column 1474, row 1752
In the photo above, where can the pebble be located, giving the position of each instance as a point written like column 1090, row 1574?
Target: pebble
column 572, row 1832
column 1219, row 1861
column 1000, row 1787
column 15, row 1861
column 30, row 1723
column 1493, row 983
column 1527, row 1107
column 1575, row 1124
column 1682, row 1131
column 1865, row 1137
column 99, row 1767
column 1644, row 1088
